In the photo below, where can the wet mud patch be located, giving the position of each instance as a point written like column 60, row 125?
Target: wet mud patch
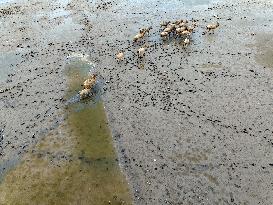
column 264, row 46
column 173, row 5
column 210, row 67
column 77, row 69
column 8, row 60
column 10, row 10
column 74, row 164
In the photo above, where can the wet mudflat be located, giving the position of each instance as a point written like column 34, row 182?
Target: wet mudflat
column 190, row 125
column 74, row 164
column 80, row 169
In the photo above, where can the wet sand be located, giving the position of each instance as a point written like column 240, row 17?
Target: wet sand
column 190, row 126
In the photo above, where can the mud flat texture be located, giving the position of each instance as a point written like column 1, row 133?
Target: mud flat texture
column 190, row 125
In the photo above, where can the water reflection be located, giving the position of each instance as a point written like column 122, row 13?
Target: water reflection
column 8, row 61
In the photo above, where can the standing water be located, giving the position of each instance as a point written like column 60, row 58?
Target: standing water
column 76, row 164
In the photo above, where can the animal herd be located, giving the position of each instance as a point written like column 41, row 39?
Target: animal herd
column 182, row 29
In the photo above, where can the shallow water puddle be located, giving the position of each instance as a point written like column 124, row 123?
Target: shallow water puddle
column 166, row 4
column 208, row 67
column 264, row 45
column 75, row 164
column 7, row 62
column 5, row 1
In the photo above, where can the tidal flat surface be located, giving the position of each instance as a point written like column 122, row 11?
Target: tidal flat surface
column 188, row 125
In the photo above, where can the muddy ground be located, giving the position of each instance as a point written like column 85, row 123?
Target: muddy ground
column 190, row 125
